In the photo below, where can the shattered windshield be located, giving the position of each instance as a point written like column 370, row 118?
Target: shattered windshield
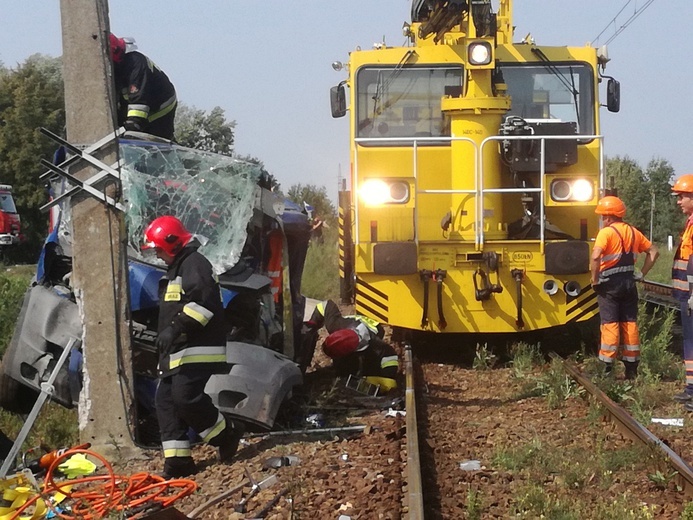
column 213, row 195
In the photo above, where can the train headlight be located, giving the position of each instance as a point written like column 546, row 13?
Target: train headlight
column 572, row 190
column 376, row 192
column 479, row 53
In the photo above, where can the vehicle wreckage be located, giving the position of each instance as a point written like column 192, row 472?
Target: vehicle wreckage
column 257, row 243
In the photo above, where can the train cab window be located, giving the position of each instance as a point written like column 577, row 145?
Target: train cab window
column 559, row 93
column 404, row 102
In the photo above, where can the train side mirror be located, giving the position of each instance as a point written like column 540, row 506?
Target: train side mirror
column 613, row 95
column 338, row 100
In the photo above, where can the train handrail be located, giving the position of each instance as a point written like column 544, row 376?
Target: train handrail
column 479, row 189
column 415, row 145
column 542, row 172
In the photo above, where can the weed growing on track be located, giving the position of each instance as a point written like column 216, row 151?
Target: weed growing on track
column 525, row 358
column 484, row 358
column 657, row 362
column 474, row 504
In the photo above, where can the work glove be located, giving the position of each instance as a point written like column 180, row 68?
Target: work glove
column 135, row 124
column 166, row 338
column 690, row 304
column 638, row 276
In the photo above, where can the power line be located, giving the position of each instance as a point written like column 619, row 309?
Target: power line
column 637, row 12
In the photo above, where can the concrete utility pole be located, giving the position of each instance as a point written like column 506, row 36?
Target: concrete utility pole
column 99, row 259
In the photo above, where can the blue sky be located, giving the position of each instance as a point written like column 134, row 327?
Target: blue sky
column 268, row 64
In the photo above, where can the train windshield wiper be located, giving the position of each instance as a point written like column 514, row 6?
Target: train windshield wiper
column 569, row 85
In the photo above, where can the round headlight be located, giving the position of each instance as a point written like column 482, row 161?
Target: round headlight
column 583, row 190
column 374, row 192
column 399, row 192
column 560, row 190
column 479, row 53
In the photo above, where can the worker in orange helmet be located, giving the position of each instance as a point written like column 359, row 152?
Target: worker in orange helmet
column 355, row 345
column 682, row 278
column 147, row 98
column 191, row 344
column 613, row 279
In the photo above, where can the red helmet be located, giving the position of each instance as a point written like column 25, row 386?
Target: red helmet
column 117, row 46
column 167, row 233
column 341, row 343
column 611, row 205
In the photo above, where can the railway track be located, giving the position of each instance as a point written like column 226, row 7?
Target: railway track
column 483, row 449
column 658, row 294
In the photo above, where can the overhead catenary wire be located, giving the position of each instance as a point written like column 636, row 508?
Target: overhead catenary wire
column 636, row 13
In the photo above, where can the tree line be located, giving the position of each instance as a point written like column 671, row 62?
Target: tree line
column 32, row 96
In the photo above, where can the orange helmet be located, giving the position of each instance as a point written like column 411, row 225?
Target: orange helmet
column 167, row 233
column 341, row 343
column 117, row 47
column 683, row 184
column 611, row 205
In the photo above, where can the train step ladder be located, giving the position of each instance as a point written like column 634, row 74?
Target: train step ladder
column 47, row 389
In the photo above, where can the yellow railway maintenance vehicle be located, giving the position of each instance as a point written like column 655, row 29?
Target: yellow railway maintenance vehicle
column 476, row 166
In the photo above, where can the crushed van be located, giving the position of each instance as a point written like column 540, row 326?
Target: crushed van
column 244, row 227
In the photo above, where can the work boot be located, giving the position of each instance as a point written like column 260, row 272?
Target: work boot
column 683, row 397
column 178, row 467
column 631, row 369
column 229, row 440
column 688, row 406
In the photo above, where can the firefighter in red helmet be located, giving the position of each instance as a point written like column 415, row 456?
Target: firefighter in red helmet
column 191, row 345
column 147, row 98
column 613, row 279
column 355, row 345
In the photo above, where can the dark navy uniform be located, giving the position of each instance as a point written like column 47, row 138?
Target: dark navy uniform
column 148, row 98
column 191, row 316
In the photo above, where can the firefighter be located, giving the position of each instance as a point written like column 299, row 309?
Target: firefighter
column 613, row 279
column 191, row 345
column 682, row 277
column 147, row 99
column 355, row 345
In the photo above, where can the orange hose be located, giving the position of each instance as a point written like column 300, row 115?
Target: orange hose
column 116, row 494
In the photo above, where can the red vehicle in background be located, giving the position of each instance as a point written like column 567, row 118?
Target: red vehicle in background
column 10, row 224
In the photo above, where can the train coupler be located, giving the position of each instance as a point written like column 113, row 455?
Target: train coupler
column 483, row 288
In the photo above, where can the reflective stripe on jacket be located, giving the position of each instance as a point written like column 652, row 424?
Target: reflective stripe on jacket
column 145, row 88
column 621, row 259
column 681, row 288
column 191, row 304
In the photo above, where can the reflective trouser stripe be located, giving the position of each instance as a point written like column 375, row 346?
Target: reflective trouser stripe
column 215, row 430
column 389, row 361
column 176, row 449
column 197, row 355
column 625, row 335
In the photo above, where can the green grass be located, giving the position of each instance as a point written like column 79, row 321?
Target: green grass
column 661, row 271
column 13, row 285
column 321, row 271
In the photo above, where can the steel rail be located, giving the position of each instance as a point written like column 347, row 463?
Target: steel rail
column 414, row 488
column 633, row 429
